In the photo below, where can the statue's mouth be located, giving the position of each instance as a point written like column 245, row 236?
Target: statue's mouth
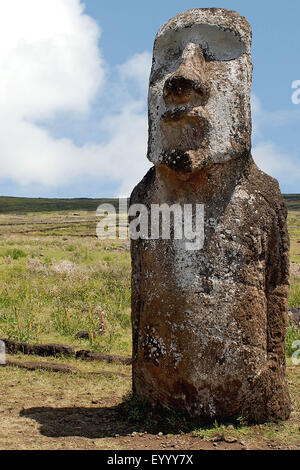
column 183, row 129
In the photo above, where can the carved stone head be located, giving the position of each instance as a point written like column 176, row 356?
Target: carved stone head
column 199, row 93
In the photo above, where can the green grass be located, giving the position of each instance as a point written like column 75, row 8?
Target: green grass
column 15, row 253
column 293, row 333
column 294, row 300
column 52, row 288
column 294, row 232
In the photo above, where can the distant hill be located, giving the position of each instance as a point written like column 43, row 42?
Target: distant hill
column 292, row 201
column 25, row 204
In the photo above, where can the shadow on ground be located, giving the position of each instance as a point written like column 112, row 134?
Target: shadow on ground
column 121, row 419
column 106, row 422
column 81, row 422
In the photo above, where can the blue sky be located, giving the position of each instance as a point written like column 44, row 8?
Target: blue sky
column 74, row 92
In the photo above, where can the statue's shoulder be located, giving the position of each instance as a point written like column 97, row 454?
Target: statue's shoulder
column 143, row 189
column 265, row 190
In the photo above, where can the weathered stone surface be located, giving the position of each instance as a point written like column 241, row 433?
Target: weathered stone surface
column 209, row 324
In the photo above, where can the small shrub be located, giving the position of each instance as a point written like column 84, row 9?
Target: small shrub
column 16, row 253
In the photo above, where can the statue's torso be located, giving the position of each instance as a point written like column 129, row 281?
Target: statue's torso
column 201, row 315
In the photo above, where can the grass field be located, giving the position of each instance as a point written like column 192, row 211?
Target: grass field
column 58, row 278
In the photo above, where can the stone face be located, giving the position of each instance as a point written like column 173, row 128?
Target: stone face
column 209, row 324
column 199, row 101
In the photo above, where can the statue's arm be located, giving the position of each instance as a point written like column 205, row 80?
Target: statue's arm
column 135, row 250
column 135, row 293
column 138, row 196
column 277, row 282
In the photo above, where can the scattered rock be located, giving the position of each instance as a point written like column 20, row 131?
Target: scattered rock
column 218, row 438
column 85, row 335
column 230, row 440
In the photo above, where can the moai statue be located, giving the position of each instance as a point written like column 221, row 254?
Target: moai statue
column 209, row 323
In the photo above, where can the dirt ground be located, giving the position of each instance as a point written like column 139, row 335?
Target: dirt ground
column 44, row 410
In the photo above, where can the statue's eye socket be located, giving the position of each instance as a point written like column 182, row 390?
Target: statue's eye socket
column 222, row 45
column 173, row 53
column 217, row 43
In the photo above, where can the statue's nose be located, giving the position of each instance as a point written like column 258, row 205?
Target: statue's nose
column 188, row 84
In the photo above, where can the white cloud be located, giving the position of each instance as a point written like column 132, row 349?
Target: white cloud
column 138, row 69
column 49, row 58
column 269, row 156
column 50, row 63
column 271, row 159
column 125, row 153
column 256, row 111
column 35, row 157
column 275, row 118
